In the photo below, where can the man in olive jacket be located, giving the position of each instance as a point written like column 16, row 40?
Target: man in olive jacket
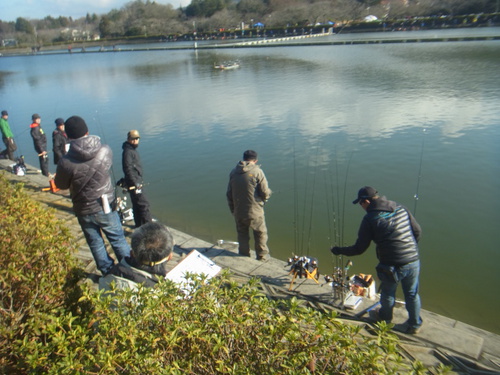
column 246, row 194
column 85, row 171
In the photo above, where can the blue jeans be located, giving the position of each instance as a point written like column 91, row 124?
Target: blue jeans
column 93, row 226
column 408, row 276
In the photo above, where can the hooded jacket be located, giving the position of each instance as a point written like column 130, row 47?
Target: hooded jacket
column 393, row 229
column 247, row 190
column 85, row 171
column 59, row 141
column 131, row 164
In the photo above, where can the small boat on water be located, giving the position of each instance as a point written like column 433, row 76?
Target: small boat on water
column 229, row 65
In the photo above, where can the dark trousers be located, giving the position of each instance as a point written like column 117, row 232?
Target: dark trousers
column 10, row 148
column 140, row 206
column 44, row 164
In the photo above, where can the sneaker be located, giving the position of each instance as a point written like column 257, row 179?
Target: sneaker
column 262, row 258
column 412, row 330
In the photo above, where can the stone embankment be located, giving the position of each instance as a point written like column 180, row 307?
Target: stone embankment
column 469, row 350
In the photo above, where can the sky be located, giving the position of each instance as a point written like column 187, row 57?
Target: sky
column 10, row 10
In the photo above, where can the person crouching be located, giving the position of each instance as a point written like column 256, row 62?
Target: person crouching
column 152, row 247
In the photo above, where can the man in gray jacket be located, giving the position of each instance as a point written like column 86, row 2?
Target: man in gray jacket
column 85, row 171
column 247, row 193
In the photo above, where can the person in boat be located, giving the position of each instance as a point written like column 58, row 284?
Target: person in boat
column 396, row 234
column 247, row 192
column 132, row 168
column 60, row 141
column 85, row 170
column 152, row 247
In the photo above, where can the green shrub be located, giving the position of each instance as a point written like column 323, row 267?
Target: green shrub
column 222, row 328
column 35, row 260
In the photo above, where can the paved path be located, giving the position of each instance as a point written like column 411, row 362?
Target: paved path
column 468, row 349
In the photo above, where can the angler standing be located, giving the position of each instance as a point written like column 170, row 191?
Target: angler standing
column 7, row 137
column 246, row 194
column 131, row 163
column 40, row 143
column 85, row 171
column 396, row 234
column 60, row 141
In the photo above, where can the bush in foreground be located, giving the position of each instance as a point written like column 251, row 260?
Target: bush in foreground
column 36, row 265
column 222, row 327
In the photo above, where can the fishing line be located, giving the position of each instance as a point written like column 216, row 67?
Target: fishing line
column 106, row 142
column 295, row 202
column 304, row 210
column 419, row 173
column 328, row 203
column 312, row 201
column 338, row 193
column 17, row 140
column 344, row 198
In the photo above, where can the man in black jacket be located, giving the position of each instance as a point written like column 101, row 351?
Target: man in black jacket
column 396, row 233
column 59, row 141
column 40, row 143
column 85, row 171
column 131, row 163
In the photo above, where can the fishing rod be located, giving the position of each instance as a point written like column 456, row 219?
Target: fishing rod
column 103, row 135
column 302, row 235
column 416, row 196
column 328, row 204
column 339, row 279
column 344, row 198
column 312, row 201
column 295, row 201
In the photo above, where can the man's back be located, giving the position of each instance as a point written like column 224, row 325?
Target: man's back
column 85, row 171
column 248, row 189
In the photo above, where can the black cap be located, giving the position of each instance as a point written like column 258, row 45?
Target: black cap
column 59, row 121
column 75, row 127
column 4, row 113
column 249, row 155
column 35, row 116
column 365, row 192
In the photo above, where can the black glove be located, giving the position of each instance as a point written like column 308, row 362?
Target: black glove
column 335, row 250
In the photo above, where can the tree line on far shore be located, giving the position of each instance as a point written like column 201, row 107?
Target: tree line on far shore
column 146, row 18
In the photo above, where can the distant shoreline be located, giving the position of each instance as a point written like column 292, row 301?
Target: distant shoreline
column 327, row 38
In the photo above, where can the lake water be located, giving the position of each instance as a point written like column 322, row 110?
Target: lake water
column 409, row 119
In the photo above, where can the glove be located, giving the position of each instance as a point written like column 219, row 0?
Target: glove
column 336, row 250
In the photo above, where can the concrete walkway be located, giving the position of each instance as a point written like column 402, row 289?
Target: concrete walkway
column 468, row 349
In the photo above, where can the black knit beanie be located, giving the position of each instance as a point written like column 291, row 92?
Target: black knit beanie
column 75, row 127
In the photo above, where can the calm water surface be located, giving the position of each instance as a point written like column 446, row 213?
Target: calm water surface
column 409, row 119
